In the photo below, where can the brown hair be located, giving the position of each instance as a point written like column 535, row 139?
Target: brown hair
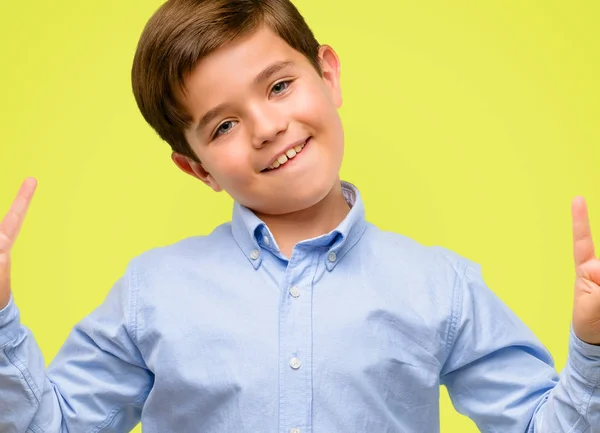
column 182, row 32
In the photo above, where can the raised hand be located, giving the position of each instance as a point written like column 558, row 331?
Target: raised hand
column 9, row 230
column 586, row 307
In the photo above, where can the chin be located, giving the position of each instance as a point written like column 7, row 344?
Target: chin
column 302, row 199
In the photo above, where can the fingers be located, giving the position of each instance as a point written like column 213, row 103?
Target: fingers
column 583, row 246
column 12, row 222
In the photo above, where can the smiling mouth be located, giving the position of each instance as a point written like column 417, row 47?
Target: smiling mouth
column 284, row 158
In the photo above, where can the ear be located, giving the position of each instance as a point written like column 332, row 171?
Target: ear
column 195, row 169
column 330, row 64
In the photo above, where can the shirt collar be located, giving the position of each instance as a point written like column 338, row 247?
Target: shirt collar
column 253, row 236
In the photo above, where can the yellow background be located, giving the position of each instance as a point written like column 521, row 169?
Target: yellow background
column 469, row 125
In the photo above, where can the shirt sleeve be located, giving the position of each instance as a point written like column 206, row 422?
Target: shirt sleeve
column 97, row 382
column 499, row 374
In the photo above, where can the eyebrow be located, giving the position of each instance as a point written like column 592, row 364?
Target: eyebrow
column 264, row 75
column 269, row 71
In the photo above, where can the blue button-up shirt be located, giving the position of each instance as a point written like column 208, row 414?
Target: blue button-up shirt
column 354, row 333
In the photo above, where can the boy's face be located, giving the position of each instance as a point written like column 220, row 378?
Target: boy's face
column 268, row 99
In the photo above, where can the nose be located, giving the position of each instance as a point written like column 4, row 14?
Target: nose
column 268, row 122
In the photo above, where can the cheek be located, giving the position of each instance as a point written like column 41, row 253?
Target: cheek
column 230, row 163
column 318, row 111
column 312, row 106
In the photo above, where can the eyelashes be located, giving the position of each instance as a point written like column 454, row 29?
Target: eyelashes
column 279, row 88
column 285, row 84
column 220, row 131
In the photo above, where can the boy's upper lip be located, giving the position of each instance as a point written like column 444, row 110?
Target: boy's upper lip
column 284, row 150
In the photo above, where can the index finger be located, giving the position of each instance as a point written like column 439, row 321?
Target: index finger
column 583, row 246
column 12, row 222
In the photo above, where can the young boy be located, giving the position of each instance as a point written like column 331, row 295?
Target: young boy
column 297, row 316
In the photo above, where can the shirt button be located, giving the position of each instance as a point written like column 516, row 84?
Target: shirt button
column 294, row 430
column 266, row 240
column 254, row 254
column 295, row 363
column 332, row 257
column 294, row 291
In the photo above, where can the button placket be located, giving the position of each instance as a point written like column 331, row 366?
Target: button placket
column 295, row 344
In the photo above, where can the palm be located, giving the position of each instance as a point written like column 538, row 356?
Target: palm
column 586, row 305
column 9, row 230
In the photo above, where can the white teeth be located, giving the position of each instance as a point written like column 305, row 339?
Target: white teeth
column 289, row 154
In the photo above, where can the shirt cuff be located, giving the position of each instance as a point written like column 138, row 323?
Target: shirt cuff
column 585, row 358
column 9, row 322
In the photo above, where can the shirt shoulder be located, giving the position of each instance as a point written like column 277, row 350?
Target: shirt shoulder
column 189, row 251
column 399, row 251
column 192, row 261
column 429, row 276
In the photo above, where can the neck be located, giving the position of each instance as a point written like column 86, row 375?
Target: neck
column 319, row 219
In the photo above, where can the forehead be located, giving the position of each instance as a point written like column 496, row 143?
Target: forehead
column 238, row 62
